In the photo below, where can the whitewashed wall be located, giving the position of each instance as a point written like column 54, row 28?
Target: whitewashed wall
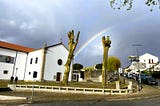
column 24, row 70
column 146, row 57
column 157, row 67
column 16, row 69
column 51, row 66
column 34, row 66
column 20, row 65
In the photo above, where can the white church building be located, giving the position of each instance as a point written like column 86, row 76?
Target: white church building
column 46, row 63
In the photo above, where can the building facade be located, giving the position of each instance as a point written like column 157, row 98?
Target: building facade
column 149, row 59
column 146, row 62
column 13, row 60
column 30, row 64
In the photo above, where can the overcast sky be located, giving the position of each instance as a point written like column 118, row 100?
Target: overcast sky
column 32, row 23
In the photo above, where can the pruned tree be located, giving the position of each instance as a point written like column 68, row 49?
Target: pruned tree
column 106, row 42
column 118, row 4
column 71, row 46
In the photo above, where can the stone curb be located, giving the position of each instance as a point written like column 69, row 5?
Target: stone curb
column 133, row 98
column 3, row 97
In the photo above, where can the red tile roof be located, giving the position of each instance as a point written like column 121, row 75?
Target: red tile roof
column 15, row 47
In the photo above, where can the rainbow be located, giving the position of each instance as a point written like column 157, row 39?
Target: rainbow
column 91, row 39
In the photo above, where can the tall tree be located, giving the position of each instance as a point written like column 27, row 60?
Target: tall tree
column 118, row 4
column 71, row 46
column 77, row 66
column 113, row 63
column 106, row 42
column 98, row 66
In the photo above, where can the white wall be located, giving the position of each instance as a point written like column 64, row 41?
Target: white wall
column 20, row 65
column 17, row 68
column 136, row 66
column 51, row 66
column 34, row 66
column 149, row 59
column 8, row 67
column 157, row 67
column 24, row 70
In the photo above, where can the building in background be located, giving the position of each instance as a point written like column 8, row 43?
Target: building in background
column 145, row 62
column 46, row 63
column 149, row 59
column 13, row 60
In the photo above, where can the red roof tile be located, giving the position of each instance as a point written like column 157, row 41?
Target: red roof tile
column 15, row 47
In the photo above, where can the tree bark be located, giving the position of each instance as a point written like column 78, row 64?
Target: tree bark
column 106, row 45
column 71, row 45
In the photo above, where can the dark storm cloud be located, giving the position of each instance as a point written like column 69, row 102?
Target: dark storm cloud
column 35, row 22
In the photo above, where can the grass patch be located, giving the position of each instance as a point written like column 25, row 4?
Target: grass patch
column 4, row 83
column 111, row 85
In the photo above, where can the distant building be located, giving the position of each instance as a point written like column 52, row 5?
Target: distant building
column 146, row 61
column 77, row 75
column 27, row 64
column 149, row 60
column 157, row 67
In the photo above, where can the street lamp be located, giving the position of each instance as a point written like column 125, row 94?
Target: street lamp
column 137, row 60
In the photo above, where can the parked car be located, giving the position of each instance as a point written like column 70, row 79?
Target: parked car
column 151, row 81
column 143, row 77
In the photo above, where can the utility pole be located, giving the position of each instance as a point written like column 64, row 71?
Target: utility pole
column 137, row 60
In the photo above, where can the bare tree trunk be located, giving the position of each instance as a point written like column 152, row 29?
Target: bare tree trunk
column 106, row 45
column 71, row 45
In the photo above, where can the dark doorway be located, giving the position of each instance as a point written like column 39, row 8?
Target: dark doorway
column 82, row 74
column 35, row 74
column 58, row 76
column 77, row 78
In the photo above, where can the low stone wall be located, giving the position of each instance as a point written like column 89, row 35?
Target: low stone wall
column 59, row 89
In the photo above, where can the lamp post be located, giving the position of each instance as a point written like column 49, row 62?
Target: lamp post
column 137, row 60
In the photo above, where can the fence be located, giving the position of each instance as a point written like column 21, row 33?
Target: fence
column 61, row 89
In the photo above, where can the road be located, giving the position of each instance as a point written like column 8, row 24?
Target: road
column 102, row 102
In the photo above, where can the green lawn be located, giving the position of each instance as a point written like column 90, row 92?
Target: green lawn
column 3, row 83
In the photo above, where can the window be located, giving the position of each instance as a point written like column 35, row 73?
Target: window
column 149, row 61
column 31, row 60
column 152, row 61
column 29, row 73
column 54, row 77
column 5, row 72
column 74, row 77
column 36, row 61
column 6, row 59
column 59, row 61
